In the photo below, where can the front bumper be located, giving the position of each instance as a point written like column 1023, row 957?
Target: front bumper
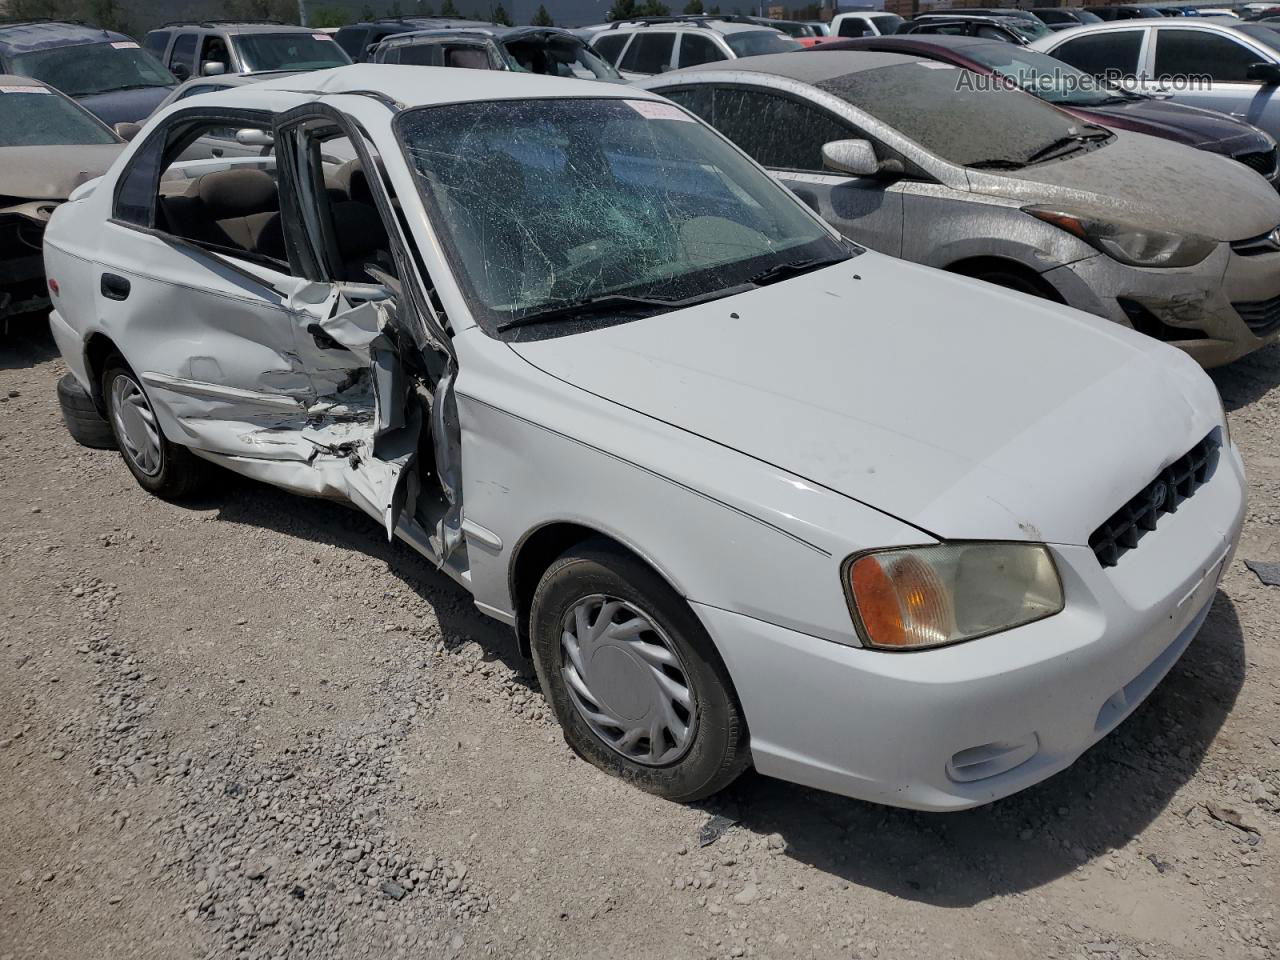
column 964, row 725
column 1197, row 309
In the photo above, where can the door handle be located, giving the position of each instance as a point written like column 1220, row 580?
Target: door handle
column 115, row 287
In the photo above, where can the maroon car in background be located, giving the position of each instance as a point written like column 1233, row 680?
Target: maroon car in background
column 1085, row 97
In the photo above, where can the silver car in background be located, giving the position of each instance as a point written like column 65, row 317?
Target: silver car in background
column 920, row 160
column 1242, row 61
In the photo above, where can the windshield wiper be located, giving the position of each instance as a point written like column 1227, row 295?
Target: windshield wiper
column 614, row 303
column 793, row 268
column 1076, row 141
column 997, row 163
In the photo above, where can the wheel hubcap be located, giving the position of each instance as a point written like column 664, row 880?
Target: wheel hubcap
column 136, row 424
column 627, row 681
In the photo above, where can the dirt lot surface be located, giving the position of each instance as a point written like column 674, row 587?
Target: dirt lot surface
column 248, row 726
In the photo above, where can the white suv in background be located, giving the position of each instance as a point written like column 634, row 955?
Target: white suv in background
column 651, row 45
column 865, row 23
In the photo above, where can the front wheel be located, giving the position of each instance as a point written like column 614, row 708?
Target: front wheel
column 164, row 469
column 632, row 676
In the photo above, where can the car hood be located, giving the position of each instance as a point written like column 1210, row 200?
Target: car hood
column 51, row 173
column 1148, row 182
column 966, row 410
column 1204, row 129
column 125, row 106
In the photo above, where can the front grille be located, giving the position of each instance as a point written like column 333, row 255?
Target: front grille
column 1264, row 161
column 1260, row 316
column 1175, row 483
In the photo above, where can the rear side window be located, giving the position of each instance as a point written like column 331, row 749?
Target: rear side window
column 610, row 45
column 155, row 42
column 1103, row 52
column 184, row 52
column 1196, row 52
column 417, row 54
column 853, row 27
column 777, row 132
column 696, row 49
column 649, row 53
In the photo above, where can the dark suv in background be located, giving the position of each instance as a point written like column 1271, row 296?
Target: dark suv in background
column 212, row 48
column 105, row 71
column 359, row 39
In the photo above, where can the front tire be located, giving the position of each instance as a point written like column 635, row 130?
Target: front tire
column 165, row 469
column 632, row 676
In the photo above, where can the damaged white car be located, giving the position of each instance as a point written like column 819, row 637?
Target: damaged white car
column 747, row 493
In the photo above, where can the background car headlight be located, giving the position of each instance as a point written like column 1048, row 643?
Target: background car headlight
column 915, row 597
column 1135, row 246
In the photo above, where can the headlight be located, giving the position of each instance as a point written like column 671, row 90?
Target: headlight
column 1136, row 246
column 915, row 597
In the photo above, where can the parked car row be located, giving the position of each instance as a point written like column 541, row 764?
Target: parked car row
column 747, row 492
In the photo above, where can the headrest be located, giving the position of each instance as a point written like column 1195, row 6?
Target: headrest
column 238, row 193
column 359, row 229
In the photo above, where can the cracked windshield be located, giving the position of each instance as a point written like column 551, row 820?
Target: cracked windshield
column 554, row 211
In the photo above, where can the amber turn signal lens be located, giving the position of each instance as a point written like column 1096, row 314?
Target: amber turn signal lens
column 901, row 600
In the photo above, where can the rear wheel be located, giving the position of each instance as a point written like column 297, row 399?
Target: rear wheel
column 632, row 676
column 168, row 470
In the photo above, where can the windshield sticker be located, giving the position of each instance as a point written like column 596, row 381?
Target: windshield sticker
column 125, row 45
column 652, row 110
column 321, row 36
column 13, row 88
column 930, row 65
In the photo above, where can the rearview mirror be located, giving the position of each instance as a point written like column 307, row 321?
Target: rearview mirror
column 127, row 131
column 253, row 137
column 213, row 68
column 856, row 157
column 1266, row 73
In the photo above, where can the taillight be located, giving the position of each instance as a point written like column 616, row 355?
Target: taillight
column 53, row 286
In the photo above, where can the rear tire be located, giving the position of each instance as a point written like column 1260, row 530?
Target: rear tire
column 641, row 692
column 167, row 470
column 85, row 424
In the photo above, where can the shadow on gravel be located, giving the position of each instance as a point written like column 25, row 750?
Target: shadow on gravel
column 960, row 859
column 1249, row 378
column 953, row 860
column 25, row 342
column 244, row 501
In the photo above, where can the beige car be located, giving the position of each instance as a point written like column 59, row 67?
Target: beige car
column 49, row 145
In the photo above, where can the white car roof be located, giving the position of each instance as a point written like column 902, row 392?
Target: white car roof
column 415, row 86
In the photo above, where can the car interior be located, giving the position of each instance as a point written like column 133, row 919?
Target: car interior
column 237, row 211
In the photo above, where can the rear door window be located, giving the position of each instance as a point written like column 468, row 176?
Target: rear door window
column 155, row 42
column 649, row 53
column 183, row 55
column 610, row 45
column 696, row 49
column 1100, row 53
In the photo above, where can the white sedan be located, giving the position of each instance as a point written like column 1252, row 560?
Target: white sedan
column 747, row 493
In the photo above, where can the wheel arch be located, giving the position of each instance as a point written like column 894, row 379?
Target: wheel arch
column 97, row 350
column 538, row 549
column 978, row 265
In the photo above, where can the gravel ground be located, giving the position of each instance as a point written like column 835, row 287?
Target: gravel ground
column 248, row 726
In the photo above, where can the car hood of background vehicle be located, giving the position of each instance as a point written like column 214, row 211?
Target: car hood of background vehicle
column 964, row 409
column 125, row 106
column 1147, row 182
column 51, row 173
column 1206, row 129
